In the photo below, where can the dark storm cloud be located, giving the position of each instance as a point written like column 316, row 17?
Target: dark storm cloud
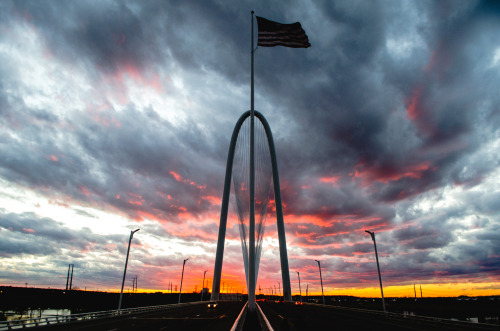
column 108, row 35
column 352, row 115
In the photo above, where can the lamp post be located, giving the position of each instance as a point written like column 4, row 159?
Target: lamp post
column 378, row 267
column 182, row 277
column 125, row 270
column 321, row 279
column 300, row 289
column 69, row 280
column 203, row 284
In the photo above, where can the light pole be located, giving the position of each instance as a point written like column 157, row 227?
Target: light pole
column 125, row 270
column 378, row 267
column 321, row 279
column 69, row 280
column 203, row 284
column 300, row 289
column 182, row 277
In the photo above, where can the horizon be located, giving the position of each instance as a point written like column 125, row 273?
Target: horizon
column 315, row 294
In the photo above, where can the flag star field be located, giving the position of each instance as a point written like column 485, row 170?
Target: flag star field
column 117, row 115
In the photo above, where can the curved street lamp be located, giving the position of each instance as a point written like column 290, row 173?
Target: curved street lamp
column 182, row 277
column 125, row 270
column 321, row 279
column 372, row 234
column 300, row 289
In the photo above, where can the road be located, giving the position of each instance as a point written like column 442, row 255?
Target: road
column 287, row 316
column 197, row 317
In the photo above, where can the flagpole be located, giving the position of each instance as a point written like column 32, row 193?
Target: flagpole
column 251, row 236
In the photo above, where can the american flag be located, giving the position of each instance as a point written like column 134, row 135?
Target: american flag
column 277, row 34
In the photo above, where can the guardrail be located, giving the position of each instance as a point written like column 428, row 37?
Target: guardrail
column 240, row 320
column 265, row 320
column 50, row 320
column 238, row 324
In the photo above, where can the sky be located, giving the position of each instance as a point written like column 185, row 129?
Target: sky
column 117, row 115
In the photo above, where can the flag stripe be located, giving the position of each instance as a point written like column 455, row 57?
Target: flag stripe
column 277, row 34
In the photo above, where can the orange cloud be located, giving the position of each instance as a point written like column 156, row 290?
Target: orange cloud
column 135, row 199
column 332, row 180
column 214, row 200
column 180, row 179
column 387, row 173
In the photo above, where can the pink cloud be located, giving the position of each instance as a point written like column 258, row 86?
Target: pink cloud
column 387, row 173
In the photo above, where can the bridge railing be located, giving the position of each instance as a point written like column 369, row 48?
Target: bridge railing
column 50, row 320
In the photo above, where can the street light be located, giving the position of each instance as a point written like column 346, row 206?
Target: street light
column 321, row 279
column 300, row 289
column 203, row 284
column 182, row 277
column 125, row 270
column 378, row 267
column 69, row 280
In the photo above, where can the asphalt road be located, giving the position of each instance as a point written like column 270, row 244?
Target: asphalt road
column 287, row 316
column 197, row 317
column 282, row 316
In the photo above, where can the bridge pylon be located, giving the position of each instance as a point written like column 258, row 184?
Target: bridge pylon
column 287, row 294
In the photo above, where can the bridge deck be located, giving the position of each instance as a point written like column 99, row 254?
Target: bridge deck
column 195, row 317
column 288, row 316
column 282, row 316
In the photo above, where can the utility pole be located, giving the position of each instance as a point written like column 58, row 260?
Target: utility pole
column 415, row 291
column 203, row 284
column 134, row 285
column 421, row 292
column 372, row 234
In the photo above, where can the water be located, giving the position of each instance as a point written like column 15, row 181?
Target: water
column 13, row 315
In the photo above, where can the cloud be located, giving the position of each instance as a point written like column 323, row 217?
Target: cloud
column 120, row 114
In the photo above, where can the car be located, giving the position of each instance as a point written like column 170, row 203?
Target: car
column 212, row 304
column 298, row 303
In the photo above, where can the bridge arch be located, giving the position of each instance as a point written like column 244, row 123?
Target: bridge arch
column 285, row 274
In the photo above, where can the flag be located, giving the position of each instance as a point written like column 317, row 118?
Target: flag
column 277, row 34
